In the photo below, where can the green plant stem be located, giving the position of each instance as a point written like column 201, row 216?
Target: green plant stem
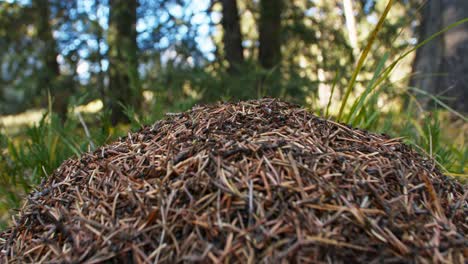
column 363, row 57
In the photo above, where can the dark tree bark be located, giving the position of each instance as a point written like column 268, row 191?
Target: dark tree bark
column 50, row 73
column 270, row 33
column 441, row 66
column 232, row 37
column 100, row 38
column 124, row 83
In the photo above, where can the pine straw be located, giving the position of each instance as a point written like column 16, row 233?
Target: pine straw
column 248, row 182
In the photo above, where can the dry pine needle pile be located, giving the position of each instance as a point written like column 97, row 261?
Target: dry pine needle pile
column 255, row 181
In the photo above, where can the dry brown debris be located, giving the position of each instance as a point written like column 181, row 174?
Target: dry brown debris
column 256, row 181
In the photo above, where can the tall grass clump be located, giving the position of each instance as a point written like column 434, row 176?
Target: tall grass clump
column 30, row 157
column 422, row 129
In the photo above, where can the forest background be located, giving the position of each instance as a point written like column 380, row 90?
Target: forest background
column 75, row 74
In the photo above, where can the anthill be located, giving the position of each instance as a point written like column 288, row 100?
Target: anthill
column 255, row 181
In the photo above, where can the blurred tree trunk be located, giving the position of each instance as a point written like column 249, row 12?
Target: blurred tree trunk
column 441, row 66
column 269, row 54
column 232, row 38
column 50, row 73
column 351, row 26
column 270, row 33
column 124, row 83
column 100, row 57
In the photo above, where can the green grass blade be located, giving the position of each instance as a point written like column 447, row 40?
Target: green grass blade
column 335, row 80
column 388, row 70
column 371, row 119
column 357, row 106
column 363, row 57
column 439, row 102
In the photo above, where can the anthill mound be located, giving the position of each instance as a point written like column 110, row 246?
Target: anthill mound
column 256, row 181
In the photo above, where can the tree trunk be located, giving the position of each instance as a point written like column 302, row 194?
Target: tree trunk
column 232, row 38
column 50, row 72
column 270, row 33
column 100, row 57
column 351, row 26
column 441, row 66
column 124, row 83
